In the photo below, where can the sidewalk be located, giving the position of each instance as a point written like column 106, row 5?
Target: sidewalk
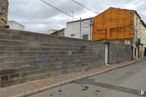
column 28, row 88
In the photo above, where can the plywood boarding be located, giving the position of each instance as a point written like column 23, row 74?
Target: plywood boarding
column 113, row 24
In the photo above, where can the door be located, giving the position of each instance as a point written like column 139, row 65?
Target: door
column 145, row 51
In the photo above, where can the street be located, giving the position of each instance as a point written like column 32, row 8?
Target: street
column 72, row 48
column 123, row 82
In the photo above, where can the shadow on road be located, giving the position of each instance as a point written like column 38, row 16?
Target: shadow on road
column 109, row 86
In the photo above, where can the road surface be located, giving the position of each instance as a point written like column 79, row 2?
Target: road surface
column 129, row 81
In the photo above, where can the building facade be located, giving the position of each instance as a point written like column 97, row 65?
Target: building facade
column 80, row 29
column 15, row 25
column 140, row 35
column 115, row 25
column 121, row 25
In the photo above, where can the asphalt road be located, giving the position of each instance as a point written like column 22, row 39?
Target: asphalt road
column 122, row 82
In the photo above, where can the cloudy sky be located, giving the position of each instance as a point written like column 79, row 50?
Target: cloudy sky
column 39, row 17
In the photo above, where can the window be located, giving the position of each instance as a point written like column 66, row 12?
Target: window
column 85, row 36
column 72, row 35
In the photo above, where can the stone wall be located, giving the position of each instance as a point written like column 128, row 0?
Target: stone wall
column 3, row 12
column 119, row 53
column 25, row 54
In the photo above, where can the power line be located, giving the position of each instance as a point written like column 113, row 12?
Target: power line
column 60, row 10
column 84, row 6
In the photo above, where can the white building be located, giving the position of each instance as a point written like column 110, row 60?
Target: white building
column 15, row 25
column 80, row 29
column 140, row 34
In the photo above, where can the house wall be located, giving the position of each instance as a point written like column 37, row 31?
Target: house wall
column 140, row 30
column 113, row 24
column 143, row 35
column 78, row 29
column 140, row 34
column 119, row 53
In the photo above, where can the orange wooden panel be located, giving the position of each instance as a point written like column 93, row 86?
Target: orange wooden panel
column 117, row 22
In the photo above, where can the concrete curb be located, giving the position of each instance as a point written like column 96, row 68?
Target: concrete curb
column 77, row 78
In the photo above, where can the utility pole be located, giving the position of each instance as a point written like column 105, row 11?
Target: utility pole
column 80, row 28
column 72, row 15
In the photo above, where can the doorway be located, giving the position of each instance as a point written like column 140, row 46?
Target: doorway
column 145, row 51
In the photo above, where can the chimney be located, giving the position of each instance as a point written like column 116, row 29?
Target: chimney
column 3, row 13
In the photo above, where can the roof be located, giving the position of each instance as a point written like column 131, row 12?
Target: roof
column 126, row 10
column 135, row 13
column 143, row 23
column 108, row 9
column 140, row 18
column 58, row 31
column 15, row 23
column 119, row 9
column 80, row 20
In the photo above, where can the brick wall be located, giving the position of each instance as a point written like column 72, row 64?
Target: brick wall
column 119, row 53
column 25, row 53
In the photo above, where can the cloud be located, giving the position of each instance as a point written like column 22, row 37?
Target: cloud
column 33, row 13
column 39, row 17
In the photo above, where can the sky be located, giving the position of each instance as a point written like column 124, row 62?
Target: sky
column 37, row 16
